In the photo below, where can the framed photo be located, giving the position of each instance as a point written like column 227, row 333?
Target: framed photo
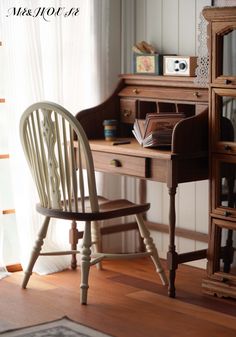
column 148, row 64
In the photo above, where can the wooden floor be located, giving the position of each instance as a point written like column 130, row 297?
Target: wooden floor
column 126, row 299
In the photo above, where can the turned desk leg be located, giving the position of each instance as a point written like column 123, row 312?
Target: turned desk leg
column 142, row 200
column 172, row 256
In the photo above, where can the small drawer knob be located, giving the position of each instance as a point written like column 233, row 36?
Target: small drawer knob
column 115, row 163
column 127, row 113
column 227, row 81
column 196, row 94
column 226, row 213
column 228, row 148
column 136, row 91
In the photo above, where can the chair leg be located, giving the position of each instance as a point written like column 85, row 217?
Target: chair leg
column 36, row 251
column 150, row 247
column 74, row 239
column 96, row 240
column 85, row 262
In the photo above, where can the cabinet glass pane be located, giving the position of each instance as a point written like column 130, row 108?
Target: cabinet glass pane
column 228, row 251
column 229, row 54
column 227, row 185
column 226, row 106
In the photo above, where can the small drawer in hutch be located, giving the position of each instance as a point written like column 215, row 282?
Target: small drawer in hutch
column 128, row 109
column 166, row 93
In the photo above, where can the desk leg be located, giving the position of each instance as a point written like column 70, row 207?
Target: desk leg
column 142, row 200
column 172, row 256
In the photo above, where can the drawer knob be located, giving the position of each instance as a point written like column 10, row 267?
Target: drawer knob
column 136, row 91
column 115, row 163
column 196, row 94
column 227, row 81
column 228, row 148
column 127, row 113
column 227, row 213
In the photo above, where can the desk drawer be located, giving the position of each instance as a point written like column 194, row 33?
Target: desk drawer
column 120, row 164
column 186, row 94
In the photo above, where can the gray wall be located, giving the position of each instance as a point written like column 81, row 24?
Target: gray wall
column 171, row 26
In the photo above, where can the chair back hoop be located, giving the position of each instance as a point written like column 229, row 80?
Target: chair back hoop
column 48, row 132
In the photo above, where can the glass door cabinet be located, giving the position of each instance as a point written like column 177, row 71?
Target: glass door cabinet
column 221, row 265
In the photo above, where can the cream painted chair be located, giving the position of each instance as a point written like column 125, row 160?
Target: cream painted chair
column 47, row 134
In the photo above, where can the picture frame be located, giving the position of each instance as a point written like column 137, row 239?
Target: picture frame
column 150, row 64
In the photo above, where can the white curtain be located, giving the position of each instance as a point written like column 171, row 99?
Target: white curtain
column 3, row 271
column 63, row 60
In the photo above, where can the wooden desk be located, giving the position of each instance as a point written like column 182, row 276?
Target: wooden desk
column 146, row 163
column 185, row 161
column 157, row 165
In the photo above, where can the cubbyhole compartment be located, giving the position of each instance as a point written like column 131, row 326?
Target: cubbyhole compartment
column 166, row 107
column 145, row 107
column 187, row 109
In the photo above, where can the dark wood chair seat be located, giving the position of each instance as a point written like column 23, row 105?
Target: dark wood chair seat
column 108, row 209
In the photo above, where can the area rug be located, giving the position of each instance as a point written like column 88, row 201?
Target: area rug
column 60, row 328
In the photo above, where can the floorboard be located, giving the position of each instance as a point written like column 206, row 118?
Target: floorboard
column 126, row 299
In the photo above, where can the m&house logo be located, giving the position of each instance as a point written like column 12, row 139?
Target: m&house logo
column 43, row 12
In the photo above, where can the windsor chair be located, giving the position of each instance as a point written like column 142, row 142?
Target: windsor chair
column 48, row 134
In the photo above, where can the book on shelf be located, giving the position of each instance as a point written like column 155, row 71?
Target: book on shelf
column 156, row 129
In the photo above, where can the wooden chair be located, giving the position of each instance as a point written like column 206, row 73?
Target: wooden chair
column 48, row 134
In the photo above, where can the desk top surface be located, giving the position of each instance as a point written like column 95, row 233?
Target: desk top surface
column 136, row 150
column 132, row 149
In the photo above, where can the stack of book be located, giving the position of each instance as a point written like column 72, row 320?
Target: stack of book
column 156, row 129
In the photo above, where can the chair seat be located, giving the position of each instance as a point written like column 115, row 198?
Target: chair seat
column 107, row 209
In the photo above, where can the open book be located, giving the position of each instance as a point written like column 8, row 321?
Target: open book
column 156, row 129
